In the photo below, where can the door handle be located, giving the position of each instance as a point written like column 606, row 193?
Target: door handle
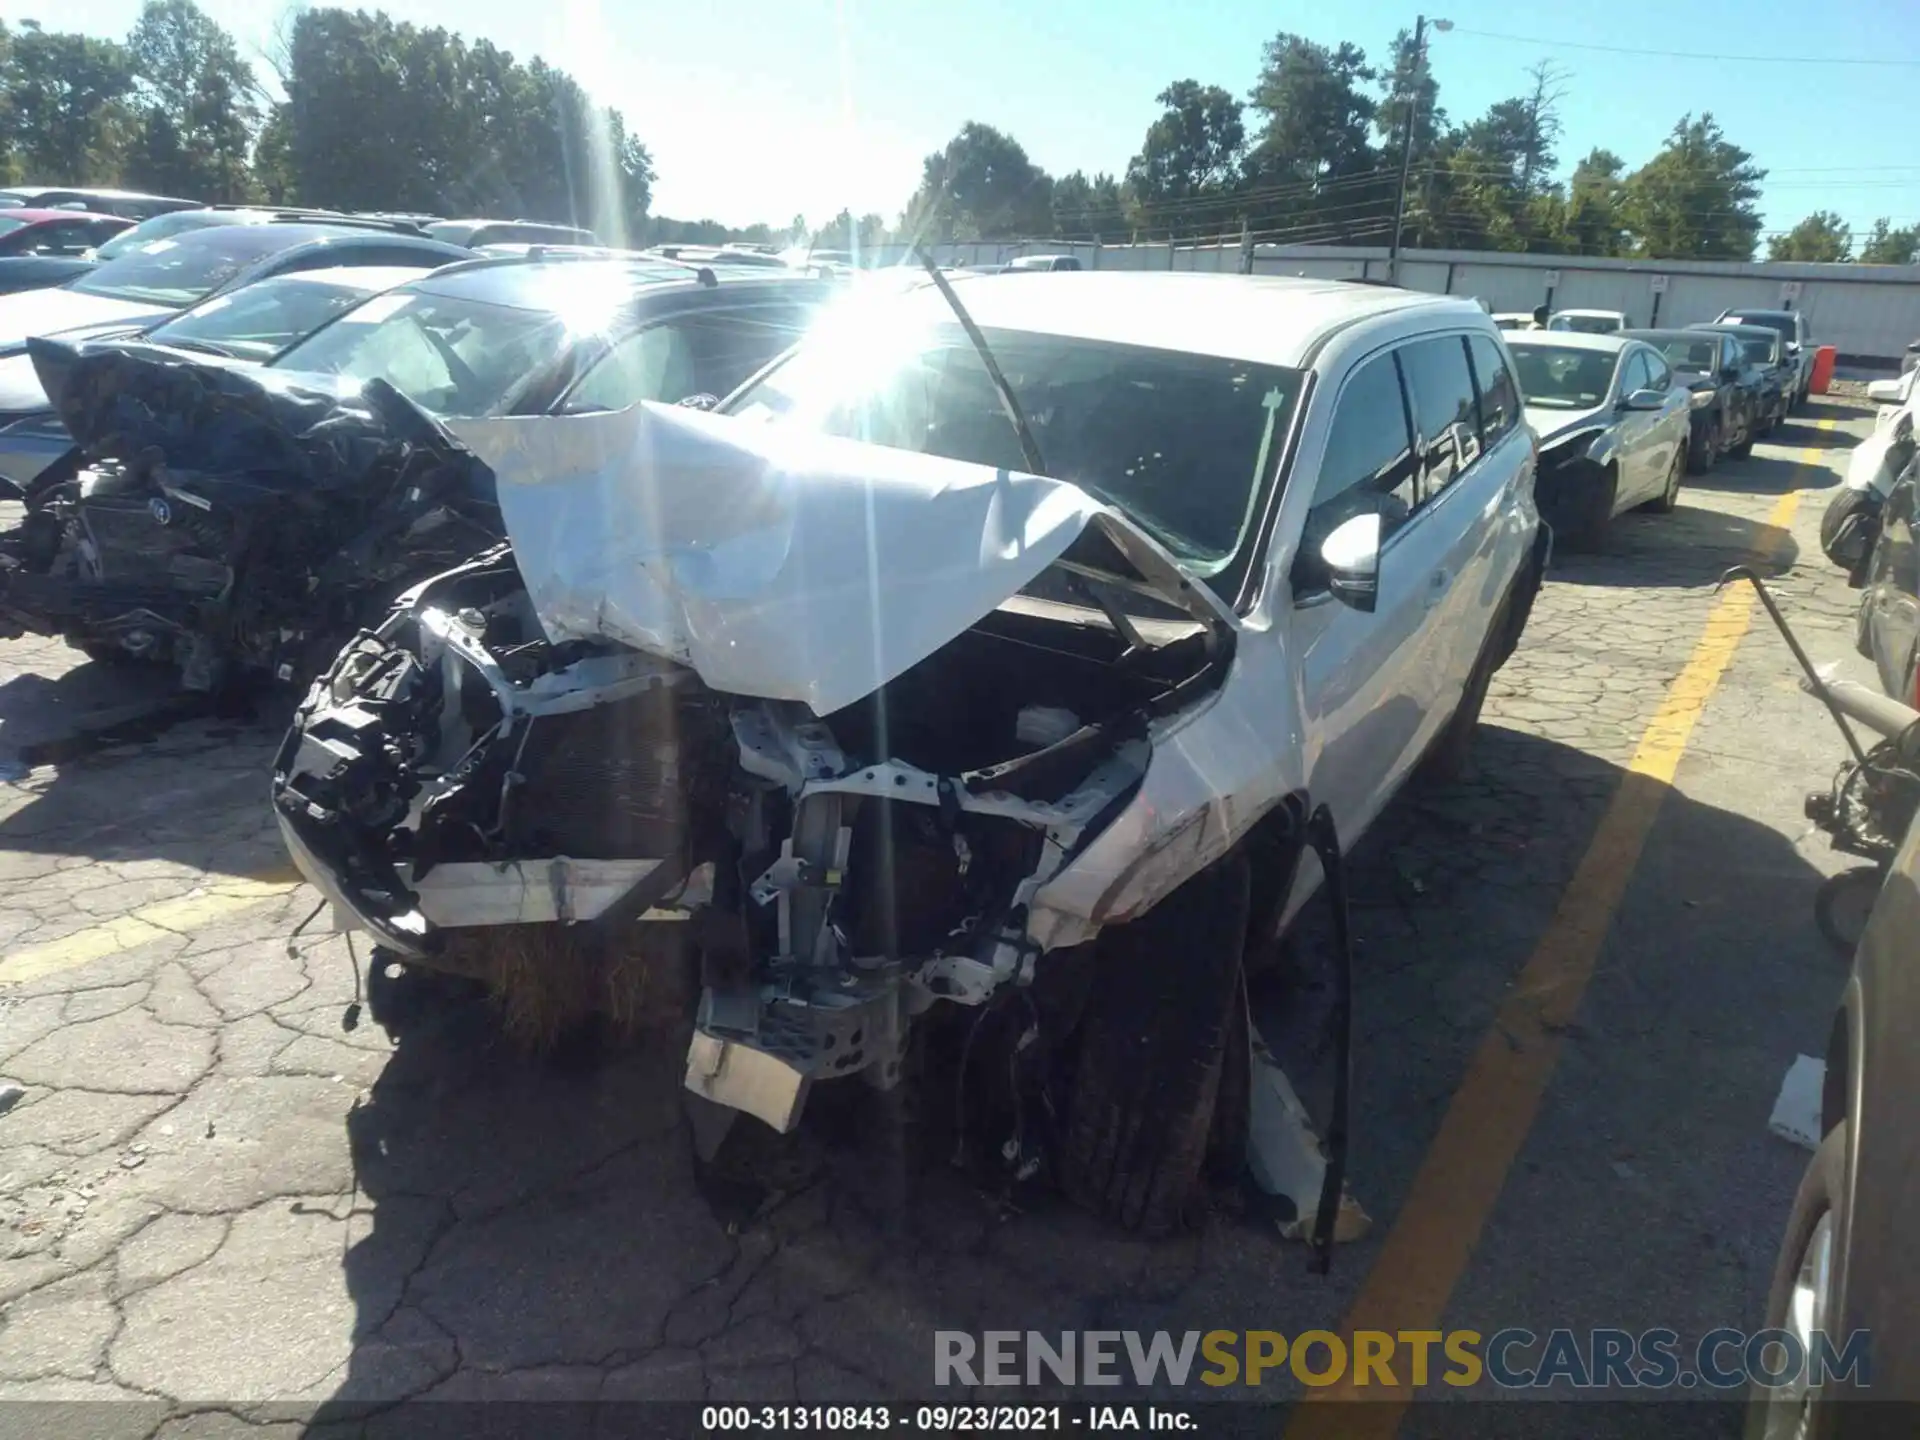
column 1437, row 587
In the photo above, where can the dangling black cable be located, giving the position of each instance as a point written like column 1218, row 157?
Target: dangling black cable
column 350, row 1021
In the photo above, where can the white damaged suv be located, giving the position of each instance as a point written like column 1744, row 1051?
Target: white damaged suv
column 863, row 710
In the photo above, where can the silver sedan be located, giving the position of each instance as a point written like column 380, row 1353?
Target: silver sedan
column 1612, row 427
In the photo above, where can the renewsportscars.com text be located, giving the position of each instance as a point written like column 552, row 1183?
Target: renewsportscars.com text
column 1512, row 1358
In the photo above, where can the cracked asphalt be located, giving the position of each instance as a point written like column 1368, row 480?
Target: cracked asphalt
column 221, row 1208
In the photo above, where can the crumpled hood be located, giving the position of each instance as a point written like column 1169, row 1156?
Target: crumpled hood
column 1550, row 424
column 771, row 561
column 281, row 429
column 56, row 309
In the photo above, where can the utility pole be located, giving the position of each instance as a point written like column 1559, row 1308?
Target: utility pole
column 1406, row 142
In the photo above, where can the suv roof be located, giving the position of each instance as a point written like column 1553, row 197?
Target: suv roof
column 519, row 279
column 1266, row 319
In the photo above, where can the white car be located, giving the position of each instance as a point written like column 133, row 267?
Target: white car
column 1588, row 322
column 899, row 718
column 1612, row 424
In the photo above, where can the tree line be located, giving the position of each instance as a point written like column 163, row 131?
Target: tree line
column 375, row 114
column 1313, row 153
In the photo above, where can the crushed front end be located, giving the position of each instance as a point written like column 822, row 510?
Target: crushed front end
column 496, row 802
column 228, row 521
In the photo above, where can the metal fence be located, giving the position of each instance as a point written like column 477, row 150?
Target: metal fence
column 1868, row 312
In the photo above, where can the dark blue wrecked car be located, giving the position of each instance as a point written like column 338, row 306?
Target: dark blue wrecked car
column 244, row 522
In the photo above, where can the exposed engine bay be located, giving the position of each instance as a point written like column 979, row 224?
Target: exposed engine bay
column 230, row 521
column 837, row 874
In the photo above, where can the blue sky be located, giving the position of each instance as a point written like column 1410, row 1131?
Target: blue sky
column 761, row 109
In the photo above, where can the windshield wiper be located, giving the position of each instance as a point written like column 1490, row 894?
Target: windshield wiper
column 1029, row 450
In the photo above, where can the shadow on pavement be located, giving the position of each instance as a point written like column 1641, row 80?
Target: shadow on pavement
column 1833, row 407
column 1805, row 432
column 1756, row 475
column 115, row 762
column 1691, row 546
column 537, row 1232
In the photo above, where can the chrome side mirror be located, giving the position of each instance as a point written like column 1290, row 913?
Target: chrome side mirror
column 1351, row 554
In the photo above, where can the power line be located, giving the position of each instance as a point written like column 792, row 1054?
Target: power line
column 1688, row 54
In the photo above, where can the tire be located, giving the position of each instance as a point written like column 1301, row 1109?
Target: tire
column 1841, row 906
column 1744, row 449
column 1451, row 753
column 1847, row 504
column 1822, row 1192
column 1701, row 457
column 1151, row 1049
column 1587, row 527
column 1664, row 502
column 1233, row 1101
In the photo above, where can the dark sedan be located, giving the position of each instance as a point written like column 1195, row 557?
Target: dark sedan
column 1724, row 395
column 133, row 204
column 145, row 284
column 56, row 232
column 1773, row 372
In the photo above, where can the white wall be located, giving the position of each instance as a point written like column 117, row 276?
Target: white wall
column 1866, row 311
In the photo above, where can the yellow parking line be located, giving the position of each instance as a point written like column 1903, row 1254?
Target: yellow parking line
column 1466, row 1166
column 179, row 916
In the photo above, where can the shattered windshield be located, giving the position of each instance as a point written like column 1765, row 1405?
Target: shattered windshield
column 1184, row 444
column 449, row 355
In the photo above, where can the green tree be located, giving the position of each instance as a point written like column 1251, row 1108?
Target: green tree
column 68, row 103
column 1089, row 208
column 1189, row 159
column 194, row 108
column 1312, row 170
column 1822, row 237
column 1397, row 85
column 1885, row 245
column 273, row 159
column 981, row 186
column 1592, row 222
column 1696, row 199
column 382, row 115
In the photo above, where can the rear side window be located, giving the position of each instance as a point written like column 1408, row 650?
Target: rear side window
column 1368, row 467
column 1499, row 395
column 1633, row 373
column 1440, row 385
